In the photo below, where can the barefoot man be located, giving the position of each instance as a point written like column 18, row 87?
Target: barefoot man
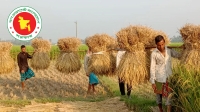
column 25, row 71
column 161, row 69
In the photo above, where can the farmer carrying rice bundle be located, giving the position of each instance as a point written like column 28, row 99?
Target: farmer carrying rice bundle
column 24, row 69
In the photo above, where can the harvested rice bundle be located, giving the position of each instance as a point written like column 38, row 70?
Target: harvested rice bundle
column 134, row 71
column 191, row 55
column 100, row 64
column 68, row 60
column 98, row 42
column 133, row 34
column 41, row 58
column 69, row 44
column 145, row 34
column 100, row 61
column 6, row 61
column 133, row 68
column 189, row 33
column 111, row 48
column 112, row 43
column 128, row 37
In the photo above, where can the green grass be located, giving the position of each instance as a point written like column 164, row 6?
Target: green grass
column 16, row 103
column 176, row 44
column 22, row 103
column 136, row 103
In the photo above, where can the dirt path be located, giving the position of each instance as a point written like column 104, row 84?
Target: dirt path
column 109, row 105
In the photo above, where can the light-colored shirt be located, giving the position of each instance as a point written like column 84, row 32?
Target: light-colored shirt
column 161, row 66
column 119, row 57
column 86, row 59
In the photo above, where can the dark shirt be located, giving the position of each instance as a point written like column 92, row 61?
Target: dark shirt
column 22, row 60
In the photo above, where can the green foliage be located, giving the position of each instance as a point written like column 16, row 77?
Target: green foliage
column 53, row 53
column 186, row 86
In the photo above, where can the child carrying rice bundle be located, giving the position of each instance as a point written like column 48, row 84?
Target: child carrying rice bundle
column 100, row 62
column 41, row 58
column 6, row 61
column 191, row 55
column 68, row 60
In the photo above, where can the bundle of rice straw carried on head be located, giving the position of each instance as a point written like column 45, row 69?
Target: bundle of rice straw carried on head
column 191, row 55
column 6, row 61
column 68, row 60
column 41, row 58
column 100, row 61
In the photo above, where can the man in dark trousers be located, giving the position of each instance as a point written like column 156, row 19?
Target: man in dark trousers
column 120, row 54
column 25, row 71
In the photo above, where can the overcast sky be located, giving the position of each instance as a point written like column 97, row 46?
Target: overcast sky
column 103, row 16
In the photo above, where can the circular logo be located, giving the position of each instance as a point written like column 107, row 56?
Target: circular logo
column 24, row 23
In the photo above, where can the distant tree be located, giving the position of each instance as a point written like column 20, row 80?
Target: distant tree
column 177, row 39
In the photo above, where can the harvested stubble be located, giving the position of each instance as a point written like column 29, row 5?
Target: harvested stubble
column 68, row 60
column 41, row 58
column 6, row 61
column 101, row 64
column 133, row 67
column 191, row 55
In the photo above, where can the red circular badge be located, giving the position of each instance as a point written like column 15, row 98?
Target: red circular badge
column 24, row 23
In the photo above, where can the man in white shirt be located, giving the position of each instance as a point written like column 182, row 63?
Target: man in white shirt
column 160, row 68
column 120, row 54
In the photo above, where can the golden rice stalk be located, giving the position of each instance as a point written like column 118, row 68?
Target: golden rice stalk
column 5, row 47
column 68, row 62
column 131, row 35
column 100, row 64
column 69, row 44
column 134, row 71
column 41, row 45
column 145, row 34
column 189, row 32
column 40, row 60
column 112, row 43
column 191, row 55
column 127, row 37
column 98, row 42
column 113, row 56
column 6, row 61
